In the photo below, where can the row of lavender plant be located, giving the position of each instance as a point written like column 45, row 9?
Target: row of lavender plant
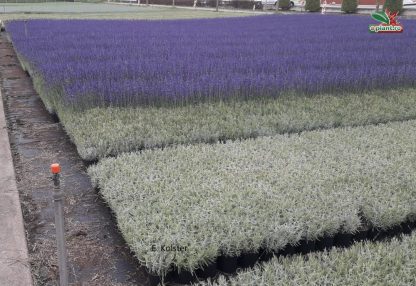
column 241, row 196
column 125, row 63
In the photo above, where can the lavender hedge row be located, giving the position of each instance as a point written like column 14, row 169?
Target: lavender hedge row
column 267, row 192
column 88, row 63
column 366, row 263
column 142, row 127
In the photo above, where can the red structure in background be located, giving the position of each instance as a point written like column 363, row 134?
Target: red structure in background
column 360, row 2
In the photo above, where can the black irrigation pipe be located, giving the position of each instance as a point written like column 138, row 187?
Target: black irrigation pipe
column 229, row 265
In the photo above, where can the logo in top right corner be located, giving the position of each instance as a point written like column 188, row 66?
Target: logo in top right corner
column 388, row 22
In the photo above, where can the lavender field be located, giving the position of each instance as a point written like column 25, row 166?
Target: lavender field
column 163, row 83
column 89, row 63
column 225, row 97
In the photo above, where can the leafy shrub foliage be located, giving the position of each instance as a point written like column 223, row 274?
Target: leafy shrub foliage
column 349, row 6
column 393, row 5
column 245, row 4
column 313, row 5
column 284, row 4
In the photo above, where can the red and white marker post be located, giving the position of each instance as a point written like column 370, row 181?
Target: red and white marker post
column 58, row 198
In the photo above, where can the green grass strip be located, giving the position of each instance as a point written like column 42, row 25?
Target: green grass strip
column 102, row 132
column 383, row 263
column 266, row 192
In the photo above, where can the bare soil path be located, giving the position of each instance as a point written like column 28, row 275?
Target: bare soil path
column 97, row 253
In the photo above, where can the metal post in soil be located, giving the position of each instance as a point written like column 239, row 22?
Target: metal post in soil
column 216, row 6
column 58, row 198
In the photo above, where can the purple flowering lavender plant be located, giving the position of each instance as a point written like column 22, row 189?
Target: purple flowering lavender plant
column 87, row 63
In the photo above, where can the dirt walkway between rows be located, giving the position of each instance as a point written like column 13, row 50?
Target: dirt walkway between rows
column 97, row 253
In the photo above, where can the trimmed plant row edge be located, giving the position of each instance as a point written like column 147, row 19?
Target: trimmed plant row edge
column 229, row 265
